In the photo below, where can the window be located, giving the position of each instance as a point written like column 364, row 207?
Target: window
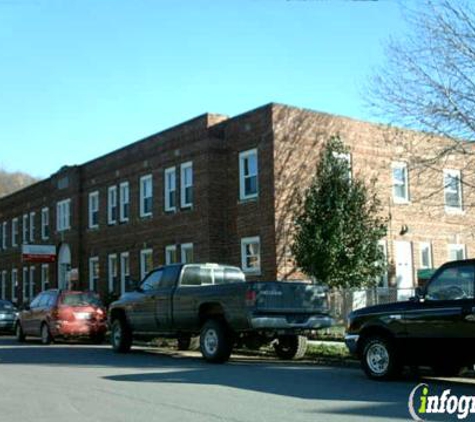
column 186, row 185
column 170, row 189
column 146, row 262
column 4, row 285
column 453, row 283
column 248, row 183
column 26, row 289
column 124, row 271
column 45, row 223
column 426, row 254
column 14, row 284
column 15, row 232
column 4, row 235
column 152, row 282
column 93, row 273
column 25, row 228
column 94, row 210
column 146, row 194
column 63, row 215
column 1, row 236
column 32, row 226
column 44, row 277
column 400, row 183
column 344, row 158
column 112, row 205
column 456, row 252
column 112, row 272
column 383, row 279
column 171, row 255
column 251, row 255
column 452, row 190
column 124, row 202
column 187, row 253
column 32, row 282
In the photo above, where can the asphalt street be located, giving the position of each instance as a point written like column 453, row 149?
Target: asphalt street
column 81, row 382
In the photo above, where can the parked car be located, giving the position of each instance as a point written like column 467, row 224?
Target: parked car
column 63, row 314
column 8, row 317
column 435, row 328
column 215, row 302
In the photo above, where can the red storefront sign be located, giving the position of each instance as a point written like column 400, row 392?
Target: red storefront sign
column 38, row 253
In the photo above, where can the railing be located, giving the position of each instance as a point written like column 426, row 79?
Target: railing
column 342, row 302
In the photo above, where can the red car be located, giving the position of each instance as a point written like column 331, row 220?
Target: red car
column 63, row 314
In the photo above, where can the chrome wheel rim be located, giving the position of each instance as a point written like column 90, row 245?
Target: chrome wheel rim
column 211, row 341
column 377, row 358
column 117, row 335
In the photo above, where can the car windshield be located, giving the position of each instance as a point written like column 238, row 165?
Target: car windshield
column 81, row 299
column 6, row 306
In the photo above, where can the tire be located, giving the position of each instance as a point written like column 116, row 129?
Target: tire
column 19, row 334
column 45, row 334
column 216, row 344
column 379, row 359
column 121, row 336
column 291, row 346
column 446, row 369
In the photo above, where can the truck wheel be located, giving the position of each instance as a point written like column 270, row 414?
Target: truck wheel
column 291, row 347
column 46, row 337
column 121, row 336
column 216, row 343
column 379, row 358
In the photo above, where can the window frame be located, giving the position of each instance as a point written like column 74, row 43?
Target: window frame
column 143, row 187
column 14, row 284
column 93, row 210
column 170, row 248
column 144, row 254
column 168, row 191
column 63, row 215
column 451, row 208
column 110, row 274
column 93, row 281
column 14, row 232
column 124, row 202
column 45, row 223
column 4, row 236
column 112, row 203
column 183, row 248
column 398, row 165
column 124, row 257
column 248, row 241
column 45, row 280
column 25, row 228
column 188, row 165
column 457, row 247
column 32, row 226
column 423, row 245
column 244, row 155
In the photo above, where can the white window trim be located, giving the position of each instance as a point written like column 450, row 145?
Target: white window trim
column 110, row 274
column 4, row 235
column 43, row 280
column 32, row 226
column 24, row 228
column 63, row 218
column 112, row 193
column 92, row 261
column 93, row 207
column 448, row 208
column 123, row 201
column 32, row 281
column 25, row 283
column 144, row 253
column 44, row 222
column 183, row 186
column 244, row 242
column 170, row 170
column 14, row 283
column 14, row 232
column 422, row 246
column 169, row 248
column 457, row 247
column 183, row 248
column 397, row 199
column 242, row 185
column 143, row 180
column 123, row 273
column 4, row 284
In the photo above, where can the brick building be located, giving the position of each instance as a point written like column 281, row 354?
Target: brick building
column 219, row 189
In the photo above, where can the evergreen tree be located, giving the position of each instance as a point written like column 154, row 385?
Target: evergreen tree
column 338, row 230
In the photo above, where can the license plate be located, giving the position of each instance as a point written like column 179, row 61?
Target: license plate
column 82, row 315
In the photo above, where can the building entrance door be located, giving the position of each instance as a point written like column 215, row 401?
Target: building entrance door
column 404, row 272
column 64, row 266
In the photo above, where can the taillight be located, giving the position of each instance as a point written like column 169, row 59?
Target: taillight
column 250, row 297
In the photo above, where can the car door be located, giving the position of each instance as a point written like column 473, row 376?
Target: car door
column 28, row 316
column 142, row 315
column 443, row 322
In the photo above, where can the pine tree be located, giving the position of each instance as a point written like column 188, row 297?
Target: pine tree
column 338, row 230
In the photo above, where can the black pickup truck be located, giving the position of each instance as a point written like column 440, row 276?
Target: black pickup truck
column 215, row 302
column 435, row 328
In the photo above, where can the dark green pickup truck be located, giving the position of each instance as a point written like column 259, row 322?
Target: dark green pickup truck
column 215, row 302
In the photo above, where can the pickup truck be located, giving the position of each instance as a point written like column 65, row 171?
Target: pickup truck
column 435, row 328
column 218, row 304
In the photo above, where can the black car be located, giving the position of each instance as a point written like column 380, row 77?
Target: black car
column 8, row 316
column 435, row 328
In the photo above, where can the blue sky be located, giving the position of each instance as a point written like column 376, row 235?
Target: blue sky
column 79, row 78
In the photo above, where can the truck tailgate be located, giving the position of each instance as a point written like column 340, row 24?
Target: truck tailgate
column 289, row 297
